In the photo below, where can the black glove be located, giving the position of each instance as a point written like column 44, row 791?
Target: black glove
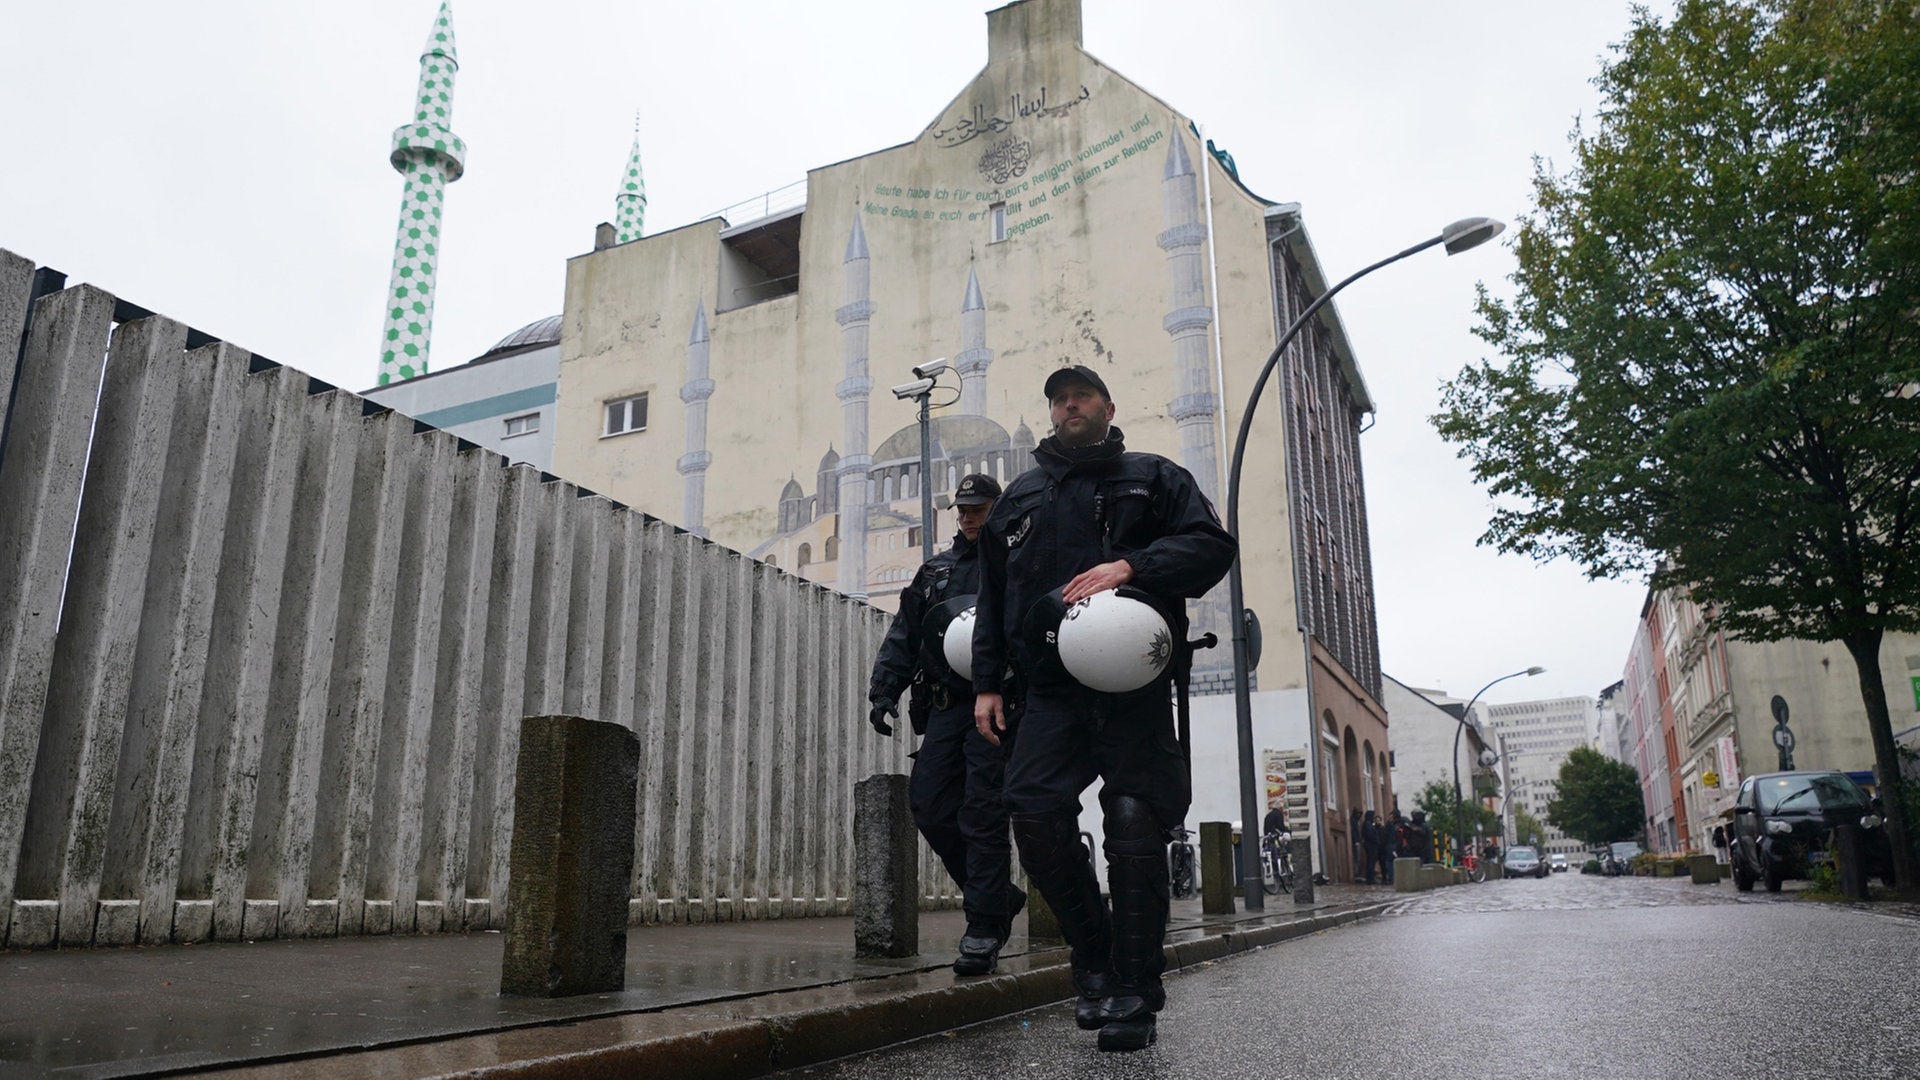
column 877, row 716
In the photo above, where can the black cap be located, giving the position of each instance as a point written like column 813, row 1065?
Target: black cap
column 1081, row 372
column 976, row 489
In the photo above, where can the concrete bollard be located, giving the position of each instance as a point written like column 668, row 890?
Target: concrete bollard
column 1704, row 868
column 886, row 869
column 1434, row 876
column 571, row 858
column 1851, row 859
column 1217, row 886
column 1302, row 870
column 1406, row 874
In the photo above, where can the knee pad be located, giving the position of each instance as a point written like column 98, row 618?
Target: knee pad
column 1048, row 842
column 1132, row 828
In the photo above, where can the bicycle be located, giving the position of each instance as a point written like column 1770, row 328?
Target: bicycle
column 1180, row 862
column 1276, row 863
column 1475, row 868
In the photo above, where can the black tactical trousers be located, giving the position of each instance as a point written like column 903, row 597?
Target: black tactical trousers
column 955, row 792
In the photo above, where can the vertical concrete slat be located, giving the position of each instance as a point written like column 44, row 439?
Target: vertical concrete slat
column 142, row 853
column 551, row 600
column 446, row 813
column 241, row 657
column 503, row 688
column 280, row 851
column 16, row 286
column 40, row 481
column 620, row 627
column 680, row 720
column 757, row 720
column 400, row 771
column 711, row 800
column 785, row 765
column 92, row 668
column 815, row 776
column 363, row 635
column 652, row 658
column 587, row 609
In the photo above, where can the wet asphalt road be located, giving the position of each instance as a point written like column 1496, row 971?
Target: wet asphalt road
column 1569, row 976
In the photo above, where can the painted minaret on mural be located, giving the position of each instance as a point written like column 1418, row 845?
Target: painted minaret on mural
column 430, row 156
column 854, row 317
column 1195, row 406
column 630, row 214
column 695, row 392
column 974, row 357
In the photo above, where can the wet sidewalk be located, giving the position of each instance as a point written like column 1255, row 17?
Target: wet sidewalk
column 725, row 999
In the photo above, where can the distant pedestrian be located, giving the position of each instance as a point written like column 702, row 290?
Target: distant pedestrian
column 1373, row 841
column 1396, row 840
column 1420, row 837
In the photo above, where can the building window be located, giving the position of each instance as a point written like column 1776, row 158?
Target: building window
column 913, row 536
column 523, row 425
column 806, row 554
column 626, row 414
column 997, row 215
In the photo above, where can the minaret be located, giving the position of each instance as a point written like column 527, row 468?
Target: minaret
column 695, row 392
column 630, row 218
column 854, row 387
column 974, row 357
column 1195, row 407
column 430, row 156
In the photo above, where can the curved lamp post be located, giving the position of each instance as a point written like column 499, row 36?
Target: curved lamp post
column 1459, row 827
column 1457, row 237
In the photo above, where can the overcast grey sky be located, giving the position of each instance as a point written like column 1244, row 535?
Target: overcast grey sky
column 224, row 162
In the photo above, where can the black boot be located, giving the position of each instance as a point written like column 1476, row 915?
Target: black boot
column 1137, row 875
column 979, row 951
column 1059, row 866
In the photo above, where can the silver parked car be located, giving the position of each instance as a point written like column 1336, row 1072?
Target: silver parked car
column 1524, row 861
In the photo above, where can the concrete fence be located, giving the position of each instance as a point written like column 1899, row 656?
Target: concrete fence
column 265, row 647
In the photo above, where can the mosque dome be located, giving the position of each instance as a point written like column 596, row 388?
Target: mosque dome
column 950, row 435
column 536, row 333
column 792, row 491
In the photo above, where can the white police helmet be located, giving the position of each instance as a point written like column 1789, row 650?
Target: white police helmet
column 957, row 645
column 1114, row 643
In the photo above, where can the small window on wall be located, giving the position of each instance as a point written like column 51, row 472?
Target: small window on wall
column 997, row 229
column 523, row 425
column 627, row 414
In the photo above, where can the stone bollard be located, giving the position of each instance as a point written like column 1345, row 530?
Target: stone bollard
column 1433, row 876
column 886, row 869
column 1217, row 886
column 1852, row 863
column 1302, row 870
column 1406, row 874
column 571, row 859
column 1704, row 868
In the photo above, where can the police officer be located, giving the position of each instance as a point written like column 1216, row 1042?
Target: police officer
column 955, row 786
column 1092, row 516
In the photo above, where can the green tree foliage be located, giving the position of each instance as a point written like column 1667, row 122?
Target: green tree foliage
column 1710, row 362
column 1525, row 826
column 1437, row 800
column 1599, row 798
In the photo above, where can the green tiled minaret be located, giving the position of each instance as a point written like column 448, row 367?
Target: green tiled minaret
column 430, row 156
column 630, row 216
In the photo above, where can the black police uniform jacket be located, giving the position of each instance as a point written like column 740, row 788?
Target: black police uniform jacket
column 953, row 572
column 1075, row 509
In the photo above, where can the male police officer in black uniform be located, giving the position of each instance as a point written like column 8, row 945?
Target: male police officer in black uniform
column 1091, row 516
column 955, row 787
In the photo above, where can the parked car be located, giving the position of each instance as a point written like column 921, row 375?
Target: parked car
column 1557, row 863
column 1783, row 824
column 1523, row 861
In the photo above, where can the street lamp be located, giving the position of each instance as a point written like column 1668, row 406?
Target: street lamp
column 926, row 379
column 1457, row 237
column 1459, row 829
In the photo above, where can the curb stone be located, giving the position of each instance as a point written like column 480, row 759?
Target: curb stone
column 762, row 1035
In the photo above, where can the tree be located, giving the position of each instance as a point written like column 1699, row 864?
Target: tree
column 1711, row 370
column 1599, row 798
column 1437, row 800
column 1526, row 827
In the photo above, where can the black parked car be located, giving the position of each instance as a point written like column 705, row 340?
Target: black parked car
column 1783, row 825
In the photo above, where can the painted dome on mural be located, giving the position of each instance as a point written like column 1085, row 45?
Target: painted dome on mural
column 951, row 436
column 538, row 332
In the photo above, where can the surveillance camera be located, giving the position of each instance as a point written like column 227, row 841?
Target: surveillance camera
column 912, row 389
column 931, row 368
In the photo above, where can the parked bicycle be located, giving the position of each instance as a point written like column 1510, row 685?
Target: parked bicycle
column 1181, row 862
column 1475, row 867
column 1276, row 862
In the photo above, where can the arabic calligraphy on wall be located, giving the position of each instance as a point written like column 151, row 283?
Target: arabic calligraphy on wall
column 1022, row 186
column 979, row 121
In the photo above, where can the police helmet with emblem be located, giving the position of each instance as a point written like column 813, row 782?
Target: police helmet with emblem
column 1115, row 641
